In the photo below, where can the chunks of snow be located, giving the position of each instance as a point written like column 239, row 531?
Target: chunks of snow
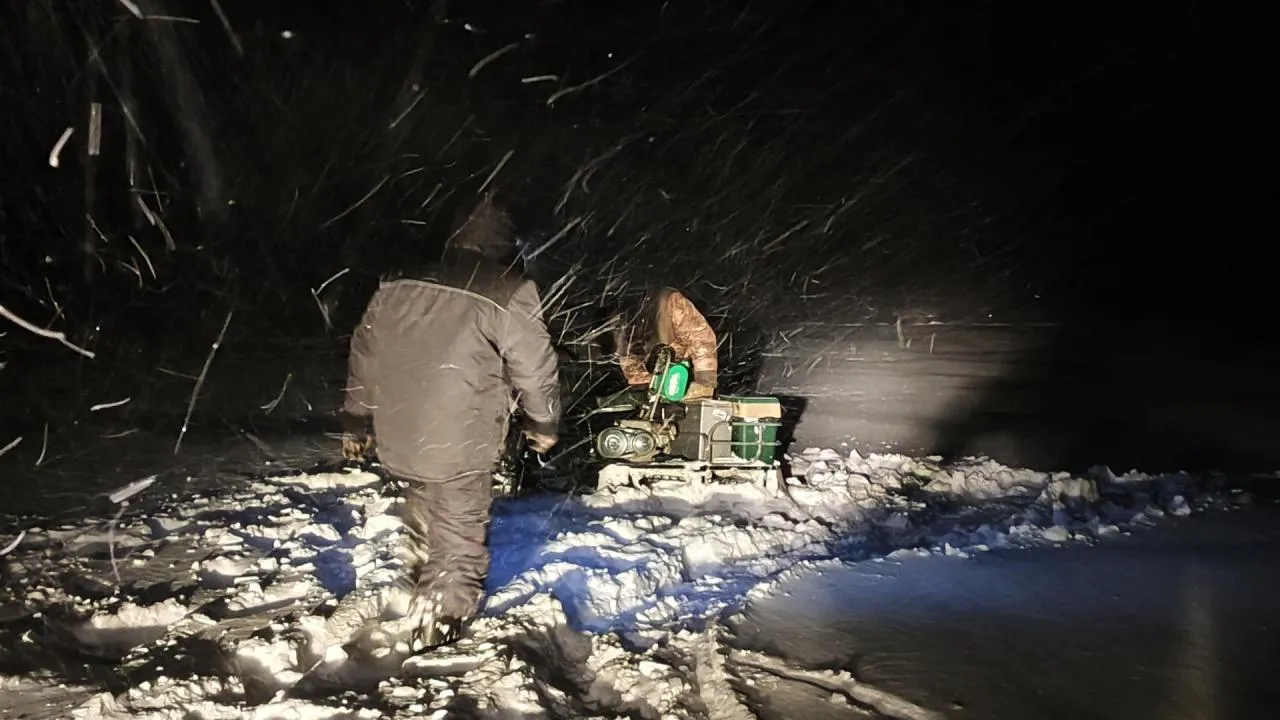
column 130, row 625
column 130, row 615
column 617, row 589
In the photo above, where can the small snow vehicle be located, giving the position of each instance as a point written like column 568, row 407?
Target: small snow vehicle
column 656, row 434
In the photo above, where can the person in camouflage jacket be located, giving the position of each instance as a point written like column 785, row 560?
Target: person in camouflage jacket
column 668, row 317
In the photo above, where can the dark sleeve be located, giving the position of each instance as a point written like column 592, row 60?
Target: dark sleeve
column 531, row 360
column 360, row 399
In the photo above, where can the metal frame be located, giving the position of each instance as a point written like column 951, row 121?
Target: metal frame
column 711, row 442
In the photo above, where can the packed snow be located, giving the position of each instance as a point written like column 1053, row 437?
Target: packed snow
column 598, row 604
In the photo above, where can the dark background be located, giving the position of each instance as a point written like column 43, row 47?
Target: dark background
column 1101, row 167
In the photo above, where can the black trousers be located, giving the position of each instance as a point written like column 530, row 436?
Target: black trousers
column 447, row 528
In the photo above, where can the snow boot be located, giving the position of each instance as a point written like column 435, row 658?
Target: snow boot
column 416, row 631
column 437, row 632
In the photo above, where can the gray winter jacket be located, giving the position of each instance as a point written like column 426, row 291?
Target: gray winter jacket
column 437, row 358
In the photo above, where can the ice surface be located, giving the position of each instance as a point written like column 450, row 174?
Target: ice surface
column 1173, row 623
column 597, row 605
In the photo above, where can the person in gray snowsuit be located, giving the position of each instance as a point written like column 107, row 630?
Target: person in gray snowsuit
column 433, row 368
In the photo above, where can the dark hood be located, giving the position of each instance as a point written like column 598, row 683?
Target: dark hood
column 486, row 229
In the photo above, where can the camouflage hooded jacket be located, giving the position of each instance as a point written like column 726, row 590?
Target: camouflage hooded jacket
column 671, row 319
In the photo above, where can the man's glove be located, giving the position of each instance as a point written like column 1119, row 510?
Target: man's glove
column 354, row 448
column 539, row 442
column 357, row 437
column 699, row 391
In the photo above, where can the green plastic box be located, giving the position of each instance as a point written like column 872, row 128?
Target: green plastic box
column 755, row 424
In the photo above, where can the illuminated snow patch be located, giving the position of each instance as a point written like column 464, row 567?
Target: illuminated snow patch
column 621, row 591
column 131, row 625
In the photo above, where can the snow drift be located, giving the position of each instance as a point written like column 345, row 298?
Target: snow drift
column 598, row 605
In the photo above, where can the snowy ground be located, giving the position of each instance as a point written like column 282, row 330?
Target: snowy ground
column 602, row 605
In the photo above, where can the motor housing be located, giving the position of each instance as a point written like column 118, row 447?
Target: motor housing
column 634, row 440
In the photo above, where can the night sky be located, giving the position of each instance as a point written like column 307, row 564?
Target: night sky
column 1090, row 165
